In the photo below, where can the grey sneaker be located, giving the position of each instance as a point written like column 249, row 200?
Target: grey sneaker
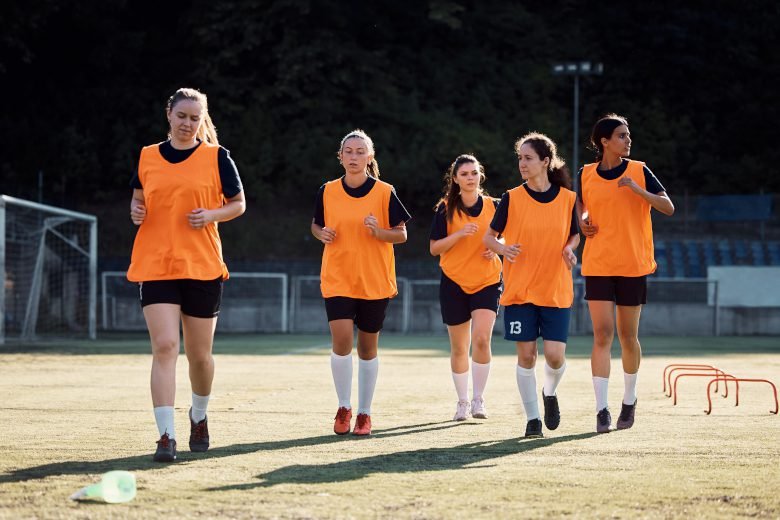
column 603, row 421
column 626, row 418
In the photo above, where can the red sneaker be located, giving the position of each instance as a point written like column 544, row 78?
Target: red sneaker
column 362, row 425
column 343, row 420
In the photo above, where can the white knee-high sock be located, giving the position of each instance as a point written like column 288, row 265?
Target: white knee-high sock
column 601, row 387
column 479, row 374
column 629, row 394
column 200, row 404
column 552, row 376
column 163, row 416
column 526, row 383
column 461, row 385
column 367, row 372
column 341, row 368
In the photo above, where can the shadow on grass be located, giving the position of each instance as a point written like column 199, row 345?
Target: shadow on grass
column 428, row 459
column 144, row 462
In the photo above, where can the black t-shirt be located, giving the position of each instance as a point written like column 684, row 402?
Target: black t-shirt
column 396, row 209
column 439, row 224
column 652, row 184
column 228, row 172
column 545, row 197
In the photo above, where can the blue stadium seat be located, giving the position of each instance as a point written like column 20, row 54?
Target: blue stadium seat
column 694, row 263
column 661, row 259
column 678, row 262
column 740, row 252
column 773, row 248
column 757, row 250
column 710, row 256
column 725, row 253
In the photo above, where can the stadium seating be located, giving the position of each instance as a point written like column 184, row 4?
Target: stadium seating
column 690, row 258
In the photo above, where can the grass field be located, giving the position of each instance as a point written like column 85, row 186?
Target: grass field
column 72, row 411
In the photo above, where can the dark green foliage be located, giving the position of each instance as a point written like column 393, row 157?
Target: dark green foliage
column 85, row 87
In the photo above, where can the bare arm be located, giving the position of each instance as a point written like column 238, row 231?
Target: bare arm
column 445, row 244
column 568, row 250
column 493, row 243
column 137, row 207
column 324, row 234
column 588, row 228
column 661, row 201
column 235, row 207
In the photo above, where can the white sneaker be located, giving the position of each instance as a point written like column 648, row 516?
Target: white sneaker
column 478, row 410
column 462, row 411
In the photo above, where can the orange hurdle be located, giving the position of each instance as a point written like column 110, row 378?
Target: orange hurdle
column 718, row 375
column 703, row 368
column 682, row 365
column 738, row 380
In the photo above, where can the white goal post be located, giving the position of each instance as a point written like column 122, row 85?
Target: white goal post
column 48, row 258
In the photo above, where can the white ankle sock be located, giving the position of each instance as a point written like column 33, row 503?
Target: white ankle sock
column 601, row 388
column 479, row 374
column 367, row 372
column 163, row 416
column 629, row 394
column 552, row 376
column 341, row 368
column 200, row 404
column 461, row 385
column 526, row 383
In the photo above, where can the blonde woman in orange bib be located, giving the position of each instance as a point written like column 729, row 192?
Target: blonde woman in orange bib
column 184, row 186
column 470, row 279
column 614, row 200
column 358, row 218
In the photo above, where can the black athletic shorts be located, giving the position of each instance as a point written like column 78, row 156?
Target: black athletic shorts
column 623, row 290
column 368, row 315
column 456, row 305
column 197, row 298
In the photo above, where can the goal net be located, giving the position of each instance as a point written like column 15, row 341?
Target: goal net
column 48, row 257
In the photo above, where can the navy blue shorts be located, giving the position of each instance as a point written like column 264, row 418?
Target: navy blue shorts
column 623, row 290
column 527, row 322
column 197, row 298
column 368, row 315
column 456, row 305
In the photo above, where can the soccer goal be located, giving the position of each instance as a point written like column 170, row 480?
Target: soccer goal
column 251, row 303
column 48, row 257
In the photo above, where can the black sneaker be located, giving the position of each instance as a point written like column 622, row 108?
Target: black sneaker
column 552, row 414
column 199, row 434
column 533, row 430
column 166, row 449
column 603, row 421
column 626, row 418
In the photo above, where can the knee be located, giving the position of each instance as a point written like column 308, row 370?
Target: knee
column 628, row 340
column 200, row 358
column 602, row 337
column 527, row 359
column 481, row 342
column 165, row 347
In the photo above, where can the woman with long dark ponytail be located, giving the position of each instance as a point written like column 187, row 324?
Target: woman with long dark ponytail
column 614, row 200
column 539, row 224
column 470, row 279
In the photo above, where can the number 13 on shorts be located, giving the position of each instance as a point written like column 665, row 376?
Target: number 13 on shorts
column 515, row 327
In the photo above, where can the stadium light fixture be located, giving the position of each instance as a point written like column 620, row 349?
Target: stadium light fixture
column 576, row 69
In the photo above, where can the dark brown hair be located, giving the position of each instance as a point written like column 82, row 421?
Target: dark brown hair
column 604, row 128
column 557, row 171
column 451, row 198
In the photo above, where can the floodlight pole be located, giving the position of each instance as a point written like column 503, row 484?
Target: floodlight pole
column 576, row 69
